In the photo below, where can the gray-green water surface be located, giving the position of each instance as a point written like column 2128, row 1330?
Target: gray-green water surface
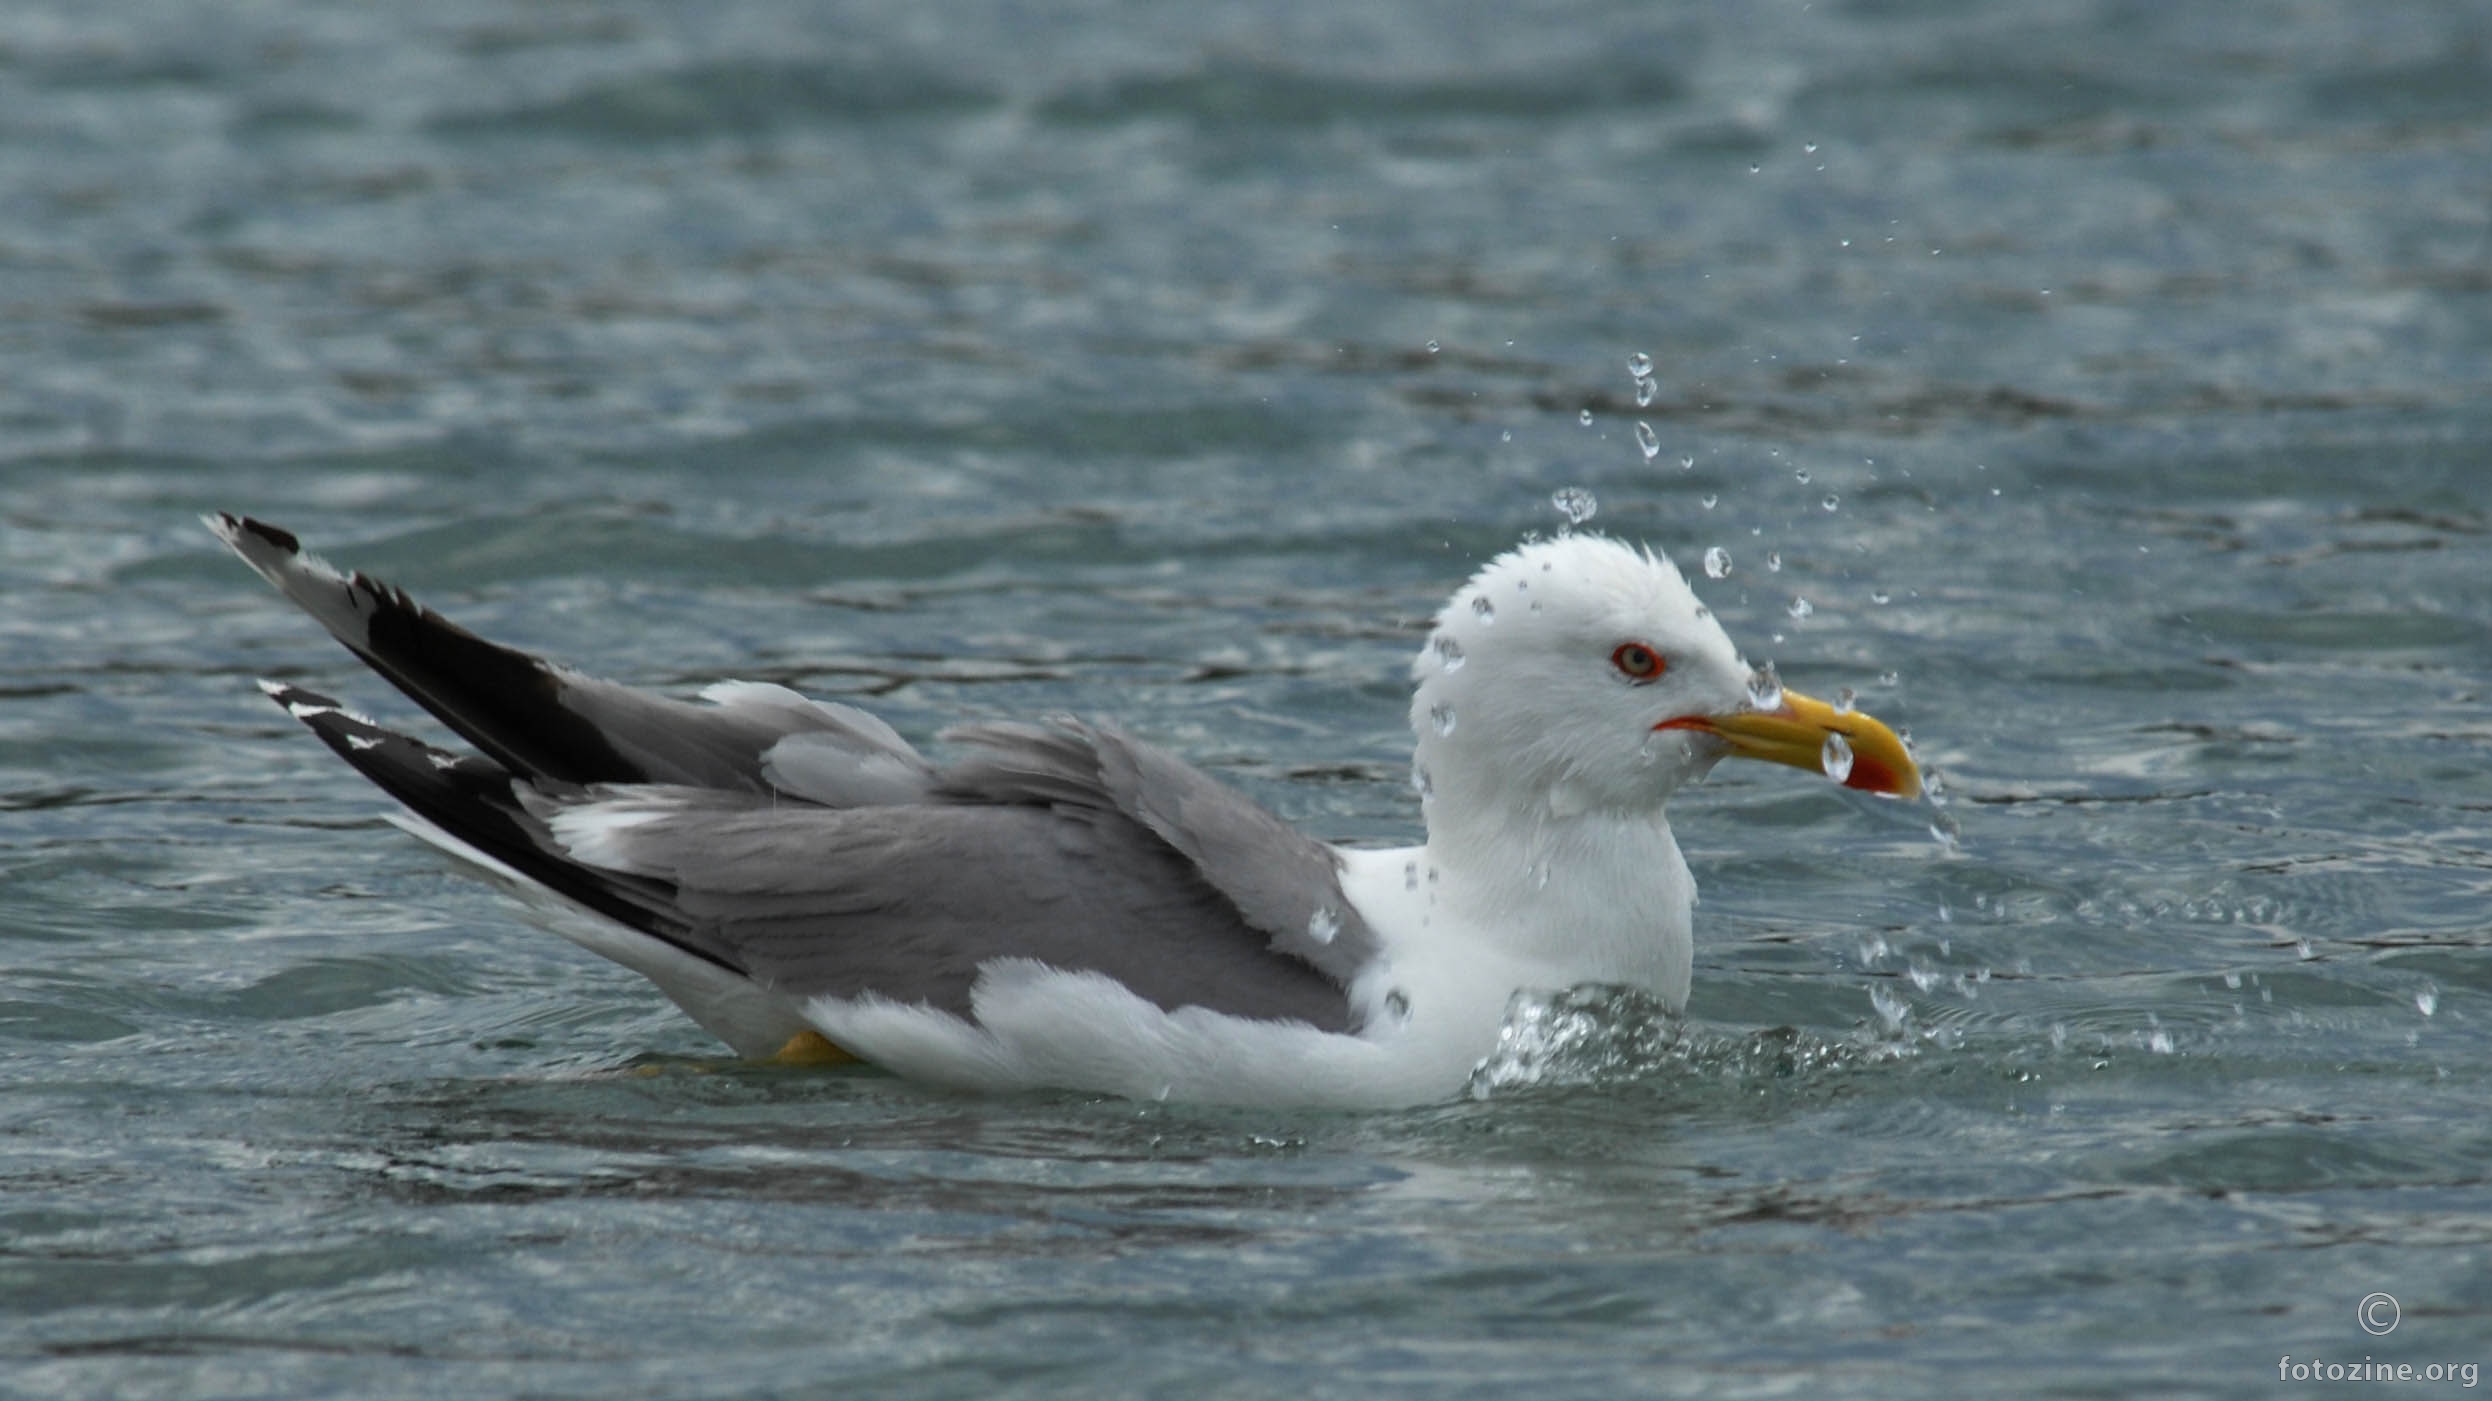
column 2110, row 380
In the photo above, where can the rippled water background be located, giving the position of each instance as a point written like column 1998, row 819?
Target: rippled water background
column 1172, row 364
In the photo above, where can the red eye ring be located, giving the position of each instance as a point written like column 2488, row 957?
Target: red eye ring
column 1638, row 662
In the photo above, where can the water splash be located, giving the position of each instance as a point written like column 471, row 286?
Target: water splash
column 1600, row 1035
column 1765, row 688
column 1946, row 831
column 1575, row 503
column 1323, row 925
column 1835, row 757
column 1595, row 1034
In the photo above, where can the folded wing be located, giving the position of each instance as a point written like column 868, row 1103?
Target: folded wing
column 807, row 848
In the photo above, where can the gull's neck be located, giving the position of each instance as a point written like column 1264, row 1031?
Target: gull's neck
column 1593, row 894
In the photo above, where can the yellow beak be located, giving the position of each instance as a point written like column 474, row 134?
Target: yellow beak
column 1797, row 734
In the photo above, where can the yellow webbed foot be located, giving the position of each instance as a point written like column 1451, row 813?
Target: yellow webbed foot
column 811, row 1048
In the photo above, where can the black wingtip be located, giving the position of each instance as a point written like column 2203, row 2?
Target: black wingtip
column 471, row 798
column 231, row 528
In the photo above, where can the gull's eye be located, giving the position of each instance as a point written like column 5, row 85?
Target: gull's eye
column 1637, row 662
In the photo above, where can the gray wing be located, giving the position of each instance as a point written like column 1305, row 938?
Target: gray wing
column 910, row 902
column 1278, row 881
column 1073, row 845
column 545, row 721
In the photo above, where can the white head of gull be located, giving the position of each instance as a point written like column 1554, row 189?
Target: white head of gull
column 1564, row 694
column 1064, row 906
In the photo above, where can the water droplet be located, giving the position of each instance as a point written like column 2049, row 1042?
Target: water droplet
column 1880, row 596
column 1765, row 688
column 1717, row 561
column 1421, row 782
column 1410, row 875
column 1890, row 678
column 1831, row 502
column 1397, row 1002
column 1754, row 168
column 1944, row 831
column 1323, row 924
column 1809, row 146
column 1483, row 610
column 1433, row 347
column 1773, row 561
column 1801, row 473
column 1448, row 652
column 1800, row 607
column 1645, row 392
column 1506, row 436
column 1584, row 418
column 1647, row 441
column 1835, row 757
column 1687, row 462
column 1575, row 503
column 1934, row 786
column 2427, row 1000
column 1640, row 365
column 1844, row 699
column 1441, row 715
column 1709, row 500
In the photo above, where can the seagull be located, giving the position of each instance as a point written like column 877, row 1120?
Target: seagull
column 1064, row 906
